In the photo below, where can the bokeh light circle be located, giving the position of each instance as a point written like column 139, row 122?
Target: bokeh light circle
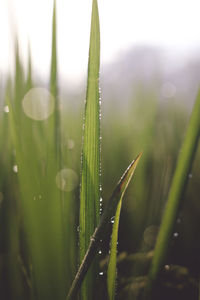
column 38, row 104
column 66, row 180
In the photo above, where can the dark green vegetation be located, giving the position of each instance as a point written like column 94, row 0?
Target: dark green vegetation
column 41, row 240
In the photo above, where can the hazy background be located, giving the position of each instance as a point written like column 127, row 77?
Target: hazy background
column 170, row 28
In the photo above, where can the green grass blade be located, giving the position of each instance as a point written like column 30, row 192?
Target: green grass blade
column 62, row 159
column 90, row 175
column 34, row 144
column 29, row 82
column 54, row 86
column 109, row 212
column 53, row 78
column 178, row 185
column 112, row 271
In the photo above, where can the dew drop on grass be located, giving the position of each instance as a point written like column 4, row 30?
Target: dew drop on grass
column 112, row 220
column 38, row 104
column 100, row 252
column 101, row 273
column 6, row 109
column 66, row 180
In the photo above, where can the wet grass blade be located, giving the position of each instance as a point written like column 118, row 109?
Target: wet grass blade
column 183, row 168
column 99, row 232
column 112, row 270
column 90, row 174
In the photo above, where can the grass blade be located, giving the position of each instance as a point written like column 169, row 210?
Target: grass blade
column 178, row 185
column 53, row 77
column 29, row 81
column 99, row 232
column 34, row 143
column 112, row 271
column 54, row 87
column 90, row 175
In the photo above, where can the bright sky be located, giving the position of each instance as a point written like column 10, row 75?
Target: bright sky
column 172, row 24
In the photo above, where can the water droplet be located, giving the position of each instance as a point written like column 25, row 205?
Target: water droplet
column 175, row 234
column 6, row 109
column 101, row 273
column 38, row 104
column 15, row 169
column 100, row 252
column 66, row 180
column 101, row 199
column 78, row 228
column 112, row 220
column 190, row 175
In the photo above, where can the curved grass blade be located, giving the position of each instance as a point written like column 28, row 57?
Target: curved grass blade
column 99, row 232
column 112, row 271
column 177, row 189
column 90, row 173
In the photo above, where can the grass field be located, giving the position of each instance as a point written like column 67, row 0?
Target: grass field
column 61, row 160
